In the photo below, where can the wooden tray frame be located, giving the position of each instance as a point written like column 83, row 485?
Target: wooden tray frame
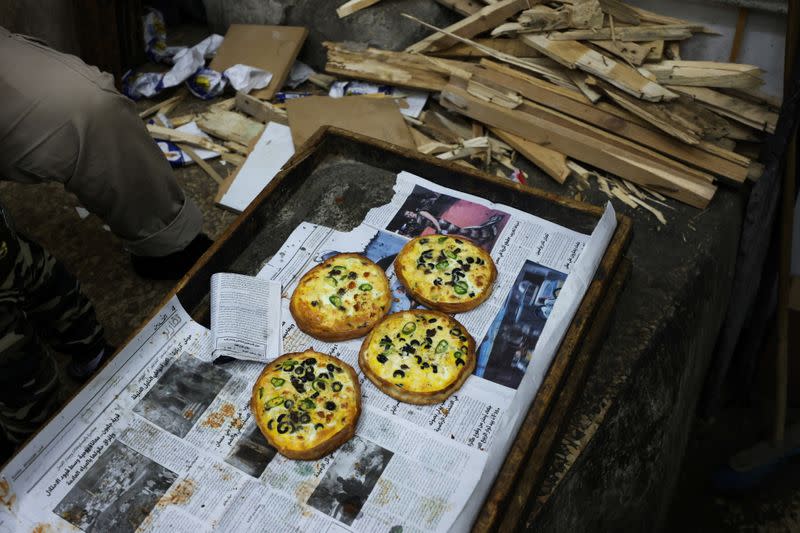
column 509, row 500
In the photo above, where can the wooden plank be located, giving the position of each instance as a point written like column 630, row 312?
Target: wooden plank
column 152, row 110
column 230, row 126
column 707, row 74
column 167, row 134
column 620, row 11
column 504, row 98
column 656, row 18
column 677, row 32
column 462, row 7
column 383, row 66
column 513, row 47
column 260, row 110
column 353, row 6
column 573, row 54
column 579, row 79
column 607, row 117
column 552, row 163
column 201, row 163
column 653, row 113
column 541, row 18
column 738, row 35
column 583, row 143
column 486, row 18
column 632, row 53
column 528, row 64
column 656, row 50
column 747, row 113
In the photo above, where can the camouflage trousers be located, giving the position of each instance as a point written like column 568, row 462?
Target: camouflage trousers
column 41, row 306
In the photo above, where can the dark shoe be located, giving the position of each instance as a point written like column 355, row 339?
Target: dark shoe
column 172, row 266
column 81, row 368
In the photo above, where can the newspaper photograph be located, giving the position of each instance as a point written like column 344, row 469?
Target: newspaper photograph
column 163, row 437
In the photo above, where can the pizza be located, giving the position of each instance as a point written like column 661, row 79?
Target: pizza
column 418, row 357
column 446, row 272
column 341, row 298
column 306, row 404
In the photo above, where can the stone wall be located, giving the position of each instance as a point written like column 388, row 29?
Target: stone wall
column 381, row 25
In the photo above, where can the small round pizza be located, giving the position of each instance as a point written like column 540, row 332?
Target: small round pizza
column 418, row 357
column 446, row 272
column 306, row 404
column 341, row 298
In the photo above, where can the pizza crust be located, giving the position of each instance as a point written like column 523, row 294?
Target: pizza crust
column 415, row 397
column 342, row 434
column 406, row 266
column 322, row 321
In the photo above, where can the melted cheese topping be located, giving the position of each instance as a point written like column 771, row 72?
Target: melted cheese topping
column 305, row 399
column 418, row 351
column 345, row 292
column 445, row 269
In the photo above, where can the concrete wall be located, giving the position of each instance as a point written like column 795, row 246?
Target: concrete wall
column 49, row 20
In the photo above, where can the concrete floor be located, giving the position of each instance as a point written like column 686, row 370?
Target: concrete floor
column 123, row 300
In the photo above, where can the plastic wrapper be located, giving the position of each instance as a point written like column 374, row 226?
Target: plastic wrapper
column 245, row 79
column 411, row 102
column 300, row 73
column 138, row 85
column 206, row 84
column 282, row 96
column 155, row 36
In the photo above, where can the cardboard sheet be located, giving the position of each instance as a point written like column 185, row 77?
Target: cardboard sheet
column 272, row 48
column 376, row 117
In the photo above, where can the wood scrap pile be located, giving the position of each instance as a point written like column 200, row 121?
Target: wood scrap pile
column 597, row 82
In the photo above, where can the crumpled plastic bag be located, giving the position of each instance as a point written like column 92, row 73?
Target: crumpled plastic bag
column 245, row 79
column 186, row 62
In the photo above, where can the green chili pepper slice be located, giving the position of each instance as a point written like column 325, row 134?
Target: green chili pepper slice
column 275, row 402
column 335, row 301
column 450, row 254
column 307, row 404
column 461, row 287
column 442, row 346
column 260, row 392
column 365, row 287
column 277, row 382
column 442, row 265
column 331, row 281
column 441, row 239
column 409, row 327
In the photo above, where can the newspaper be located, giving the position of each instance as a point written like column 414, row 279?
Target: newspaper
column 245, row 317
column 163, row 438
